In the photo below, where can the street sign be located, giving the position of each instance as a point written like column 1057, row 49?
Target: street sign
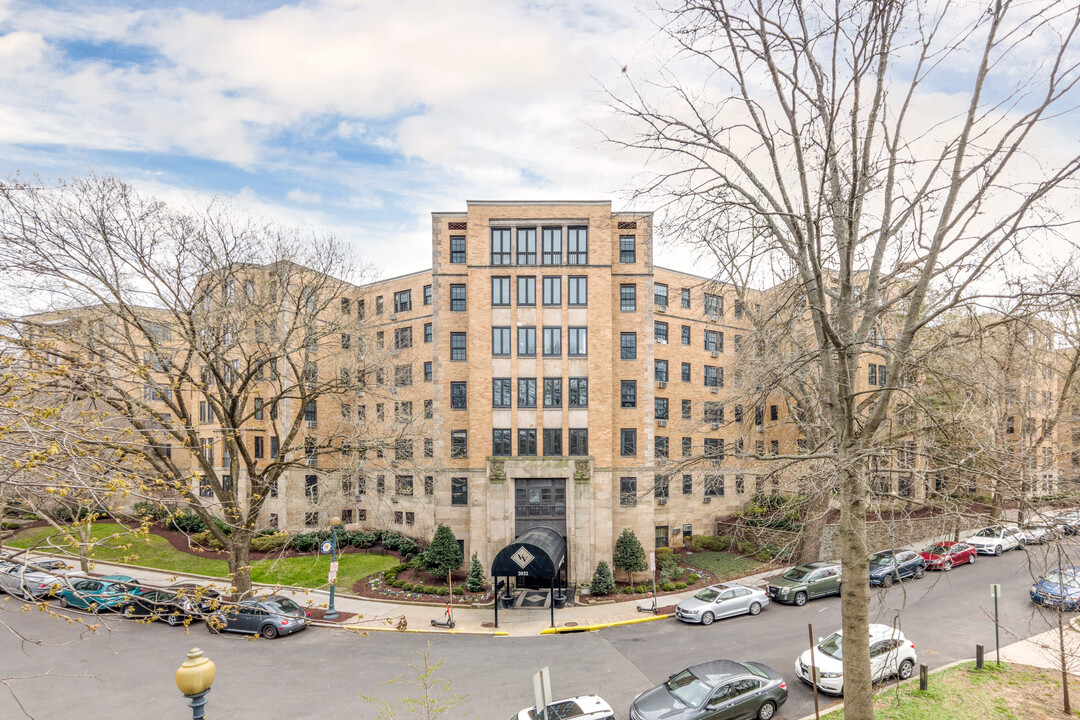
column 995, row 591
column 326, row 547
column 652, row 562
column 542, row 692
column 332, row 576
column 333, row 567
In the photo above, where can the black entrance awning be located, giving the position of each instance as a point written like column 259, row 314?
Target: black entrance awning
column 539, row 552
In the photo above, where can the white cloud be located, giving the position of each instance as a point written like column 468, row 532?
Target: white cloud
column 303, row 198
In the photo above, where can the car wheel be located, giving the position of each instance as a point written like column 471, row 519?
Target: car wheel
column 128, row 611
column 766, row 711
column 904, row 672
column 919, row 572
column 214, row 626
column 800, row 598
column 173, row 619
column 997, row 551
column 755, row 608
column 886, row 581
column 707, row 619
column 63, row 601
column 947, row 565
column 971, row 559
column 270, row 632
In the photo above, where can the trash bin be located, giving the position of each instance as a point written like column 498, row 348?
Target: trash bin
column 507, row 601
column 560, row 602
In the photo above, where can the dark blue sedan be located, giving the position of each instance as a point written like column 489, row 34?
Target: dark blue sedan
column 1058, row 590
column 886, row 566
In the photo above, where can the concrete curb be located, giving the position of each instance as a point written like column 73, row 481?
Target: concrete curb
column 913, row 678
column 601, row 626
column 485, row 633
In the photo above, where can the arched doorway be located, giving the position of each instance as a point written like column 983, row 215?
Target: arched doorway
column 538, row 554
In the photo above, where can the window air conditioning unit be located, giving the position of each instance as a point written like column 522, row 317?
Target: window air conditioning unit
column 312, row 423
column 662, row 423
column 662, row 501
column 661, row 308
column 716, row 426
column 715, row 353
column 716, row 463
column 715, row 389
column 661, row 384
column 708, row 498
column 393, row 499
column 393, row 391
column 393, row 316
column 358, row 498
column 393, row 463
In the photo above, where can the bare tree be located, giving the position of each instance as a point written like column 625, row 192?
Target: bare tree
column 795, row 146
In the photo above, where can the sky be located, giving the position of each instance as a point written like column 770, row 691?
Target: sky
column 353, row 117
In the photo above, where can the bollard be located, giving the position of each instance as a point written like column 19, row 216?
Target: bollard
column 924, row 678
column 978, row 657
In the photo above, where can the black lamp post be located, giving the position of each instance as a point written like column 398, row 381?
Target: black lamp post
column 335, row 523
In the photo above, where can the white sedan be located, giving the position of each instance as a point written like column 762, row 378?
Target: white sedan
column 996, row 539
column 890, row 654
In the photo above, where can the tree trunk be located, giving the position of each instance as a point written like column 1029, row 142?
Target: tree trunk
column 813, row 531
column 855, row 597
column 239, row 548
column 85, row 539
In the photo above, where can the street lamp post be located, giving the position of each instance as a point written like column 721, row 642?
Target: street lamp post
column 194, row 678
column 335, row 523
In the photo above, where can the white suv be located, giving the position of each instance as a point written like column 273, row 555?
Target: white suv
column 583, row 707
column 890, row 654
column 996, row 539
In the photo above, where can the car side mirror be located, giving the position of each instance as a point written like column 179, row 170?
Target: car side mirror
column 821, row 639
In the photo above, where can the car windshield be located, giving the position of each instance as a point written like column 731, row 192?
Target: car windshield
column 688, row 688
column 282, row 605
column 1064, row 579
column 937, row 550
column 708, row 595
column 987, row 532
column 796, row 574
column 881, row 559
column 831, row 646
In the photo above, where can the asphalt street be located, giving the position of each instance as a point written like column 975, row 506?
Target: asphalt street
column 126, row 669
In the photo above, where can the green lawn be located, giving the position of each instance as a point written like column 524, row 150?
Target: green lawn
column 724, row 565
column 156, row 552
column 964, row 693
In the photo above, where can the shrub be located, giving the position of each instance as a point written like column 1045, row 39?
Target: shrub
column 644, row 588
column 270, row 543
column 680, row 586
column 475, row 581
column 667, row 587
column 431, row 590
column 444, row 591
column 185, row 522
column 222, row 526
column 692, row 578
column 664, row 552
column 266, row 531
column 628, row 590
column 400, row 543
column 443, row 554
column 150, row 510
column 305, row 542
column 207, row 539
column 458, row 590
column 764, row 555
column 363, row 539
column 8, row 525
column 603, row 583
column 746, row 548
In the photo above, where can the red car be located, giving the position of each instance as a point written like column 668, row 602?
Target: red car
column 947, row 555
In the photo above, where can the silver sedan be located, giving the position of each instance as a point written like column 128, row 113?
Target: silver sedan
column 721, row 601
column 26, row 583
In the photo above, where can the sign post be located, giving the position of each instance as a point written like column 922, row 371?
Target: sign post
column 542, row 693
column 652, row 569
column 995, row 592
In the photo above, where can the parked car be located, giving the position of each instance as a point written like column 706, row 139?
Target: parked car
column 1058, row 590
column 886, row 567
column 269, row 617
column 947, row 555
column 96, row 594
column 890, row 654
column 159, row 604
column 1037, row 533
column 27, row 583
column 1069, row 521
column 996, row 539
column 806, row 582
column 717, row 689
column 721, row 601
column 583, row 707
column 205, row 598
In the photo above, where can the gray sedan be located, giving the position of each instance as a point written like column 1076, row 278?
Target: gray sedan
column 27, row 583
column 721, row 601
column 269, row 617
column 717, row 690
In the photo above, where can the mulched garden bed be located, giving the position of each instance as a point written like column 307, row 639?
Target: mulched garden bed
column 375, row 587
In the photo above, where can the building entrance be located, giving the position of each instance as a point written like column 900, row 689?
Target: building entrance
column 539, row 502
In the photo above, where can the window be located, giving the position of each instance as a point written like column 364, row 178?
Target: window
column 457, row 249
column 686, row 372
column 458, row 396
column 759, row 415
column 403, row 338
column 500, row 443
column 459, row 491
column 579, row 441
column 774, row 447
column 526, row 290
column 379, row 338
column 881, row 375
column 527, row 341
column 346, row 341
column 872, row 374
column 553, row 441
column 687, row 484
column 714, row 486
column 628, row 491
column 552, row 393
column 311, row 412
column 660, row 296
column 740, row 485
column 660, row 539
column 714, row 341
column 500, row 246
column 628, row 442
column 660, row 332
column 259, row 447
column 738, row 413
column 429, row 448
column 526, row 392
column 275, row 445
column 346, row 306
column 311, row 488
column 1010, row 425
column 627, row 253
column 660, row 406
column 685, row 295
column 500, row 291
column 272, row 520
column 774, row 413
column 380, row 484
column 714, row 305
column 660, row 370
column 403, row 376
column 686, row 406
column 628, row 298
column 800, row 445
column 552, row 342
column 552, row 246
column 579, row 392
column 427, row 294
column 527, row 442
column 500, row 341
column 737, row 343
column 687, row 447
column 403, row 485
column 259, row 408
column 427, row 371
column 660, row 450
column 553, row 291
column 311, row 519
column 429, row 485
column 379, row 305
column 629, row 394
column 429, row 405
column 577, row 341
column 713, row 448
column 577, row 290
column 738, row 308
column 403, row 301
column 205, row 488
column 685, row 334
column 427, row 332
column 459, row 443
column 628, row 346
column 500, row 392
column 206, row 412
column 577, row 246
column 526, row 246
column 714, row 413
column 360, row 309
column 457, row 298
column 714, row 376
